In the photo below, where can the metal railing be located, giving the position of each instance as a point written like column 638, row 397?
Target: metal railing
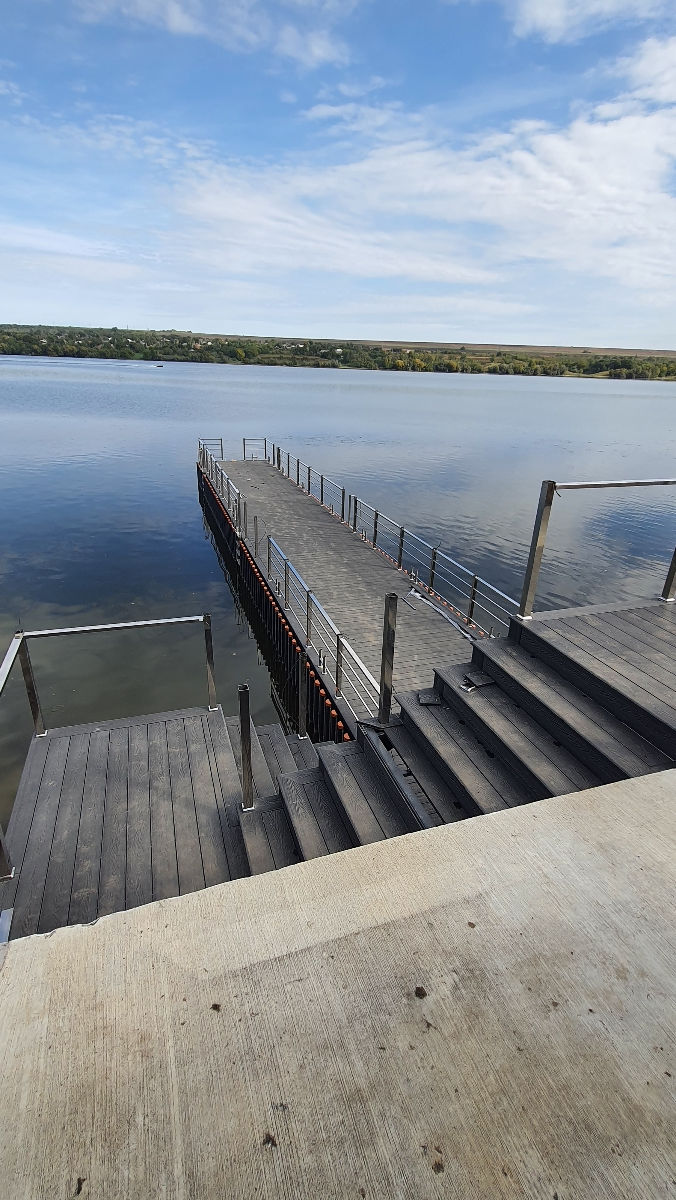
column 254, row 448
column 354, row 684
column 477, row 602
column 548, row 490
column 18, row 648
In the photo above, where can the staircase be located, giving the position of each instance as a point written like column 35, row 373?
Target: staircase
column 526, row 719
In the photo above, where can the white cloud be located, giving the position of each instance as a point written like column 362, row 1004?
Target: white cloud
column 567, row 20
column 9, row 89
column 241, row 25
column 651, row 71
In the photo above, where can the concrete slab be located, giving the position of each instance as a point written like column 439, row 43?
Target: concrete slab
column 478, row 1010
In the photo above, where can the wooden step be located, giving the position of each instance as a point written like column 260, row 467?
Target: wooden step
column 263, row 784
column 607, row 745
column 303, row 751
column 316, row 820
column 535, row 757
column 268, row 837
column 613, row 682
column 368, row 810
column 474, row 774
column 440, row 801
column 403, row 795
column 276, row 750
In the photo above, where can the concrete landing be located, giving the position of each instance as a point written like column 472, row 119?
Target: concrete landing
column 479, row 1010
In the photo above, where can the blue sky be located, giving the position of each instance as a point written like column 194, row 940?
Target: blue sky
column 461, row 170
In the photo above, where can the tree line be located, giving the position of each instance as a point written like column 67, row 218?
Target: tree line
column 185, row 346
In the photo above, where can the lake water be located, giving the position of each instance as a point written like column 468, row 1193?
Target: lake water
column 101, row 520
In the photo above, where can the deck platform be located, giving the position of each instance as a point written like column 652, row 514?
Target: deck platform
column 349, row 578
column 482, row 1010
column 116, row 814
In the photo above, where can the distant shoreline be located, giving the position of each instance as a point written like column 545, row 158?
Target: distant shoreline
column 49, row 341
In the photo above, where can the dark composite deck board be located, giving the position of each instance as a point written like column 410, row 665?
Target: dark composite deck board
column 280, row 835
column 188, row 851
column 610, row 669
column 112, row 880
column 214, row 857
column 358, row 814
column 18, row 828
column 85, row 894
column 645, row 631
column 306, row 827
column 31, row 882
column 59, row 879
column 276, row 749
column 162, row 834
column 224, row 769
column 441, row 803
column 651, row 664
column 139, row 887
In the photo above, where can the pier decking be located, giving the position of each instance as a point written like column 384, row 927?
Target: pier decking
column 116, row 814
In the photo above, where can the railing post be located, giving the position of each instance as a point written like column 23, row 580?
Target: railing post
column 238, row 518
column 669, row 589
column 400, row 554
column 279, row 459
column 265, row 449
column 302, row 693
column 339, row 664
column 321, row 489
column 31, row 688
column 433, row 566
column 228, row 491
column 246, row 521
column 288, row 464
column 255, row 536
column 245, row 746
column 221, row 442
column 286, row 583
column 308, row 618
column 472, row 598
column 537, row 546
column 342, row 505
column 375, row 528
column 309, row 482
column 355, row 502
column 297, row 472
column 244, row 449
column 269, row 558
column 387, row 661
column 209, row 647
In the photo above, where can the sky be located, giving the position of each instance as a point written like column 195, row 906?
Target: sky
column 442, row 170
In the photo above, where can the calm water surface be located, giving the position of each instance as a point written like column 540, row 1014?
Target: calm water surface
column 101, row 520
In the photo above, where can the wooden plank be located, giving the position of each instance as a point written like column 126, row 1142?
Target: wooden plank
column 277, row 752
column 30, row 887
column 21, row 818
column 358, row 813
column 162, row 836
column 188, row 853
column 112, row 878
column 126, row 722
column 280, row 836
column 306, row 827
column 388, row 815
column 644, row 630
column 59, row 879
column 139, row 883
column 651, row 663
column 214, row 856
column 258, row 849
column 441, row 800
column 85, row 893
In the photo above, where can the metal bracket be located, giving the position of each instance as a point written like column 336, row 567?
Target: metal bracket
column 477, row 680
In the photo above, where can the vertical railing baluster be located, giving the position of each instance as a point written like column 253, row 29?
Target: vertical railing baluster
column 209, row 648
column 245, row 746
column 31, row 688
column 472, row 598
column 400, row 555
column 669, row 589
column 433, row 566
column 387, row 659
column 339, row 664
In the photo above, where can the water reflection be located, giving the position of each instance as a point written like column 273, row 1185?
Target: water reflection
column 102, row 521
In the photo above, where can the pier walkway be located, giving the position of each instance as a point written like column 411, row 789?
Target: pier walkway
column 350, row 579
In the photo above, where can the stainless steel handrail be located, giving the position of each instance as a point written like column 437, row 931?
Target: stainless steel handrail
column 548, row 490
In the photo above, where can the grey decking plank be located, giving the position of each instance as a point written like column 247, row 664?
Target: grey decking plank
column 21, row 818
column 139, row 872
column 277, row 751
column 188, row 852
column 85, row 892
column 30, row 887
column 645, row 630
column 302, row 751
column 258, row 849
column 112, row 879
column 359, row 815
column 388, row 815
column 214, row 856
column 59, row 879
column 124, row 722
column 280, row 836
column 162, row 835
column 651, row 662
column 441, row 799
column 306, row 827
column 334, row 830
column 263, row 783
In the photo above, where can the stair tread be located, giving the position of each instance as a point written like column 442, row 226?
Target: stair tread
column 483, row 778
column 303, row 751
column 263, row 783
column 276, row 750
column 526, row 742
column 368, row 809
column 609, row 670
column 441, row 801
column 317, row 823
column 268, row 838
column 632, row 753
